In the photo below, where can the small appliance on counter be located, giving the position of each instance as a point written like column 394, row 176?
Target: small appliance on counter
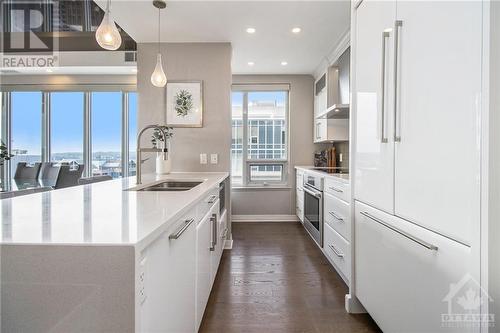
column 326, row 159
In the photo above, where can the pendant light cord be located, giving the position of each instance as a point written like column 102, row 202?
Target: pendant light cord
column 159, row 30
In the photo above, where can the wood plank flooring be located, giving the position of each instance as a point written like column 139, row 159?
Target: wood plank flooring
column 276, row 280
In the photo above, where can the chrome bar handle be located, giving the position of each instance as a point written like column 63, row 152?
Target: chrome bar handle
column 401, row 232
column 385, row 35
column 181, row 230
column 212, row 199
column 397, row 135
column 340, row 219
column 213, row 219
column 317, row 195
column 335, row 189
column 337, row 252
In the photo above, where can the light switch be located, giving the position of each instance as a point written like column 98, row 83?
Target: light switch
column 214, row 158
column 203, row 158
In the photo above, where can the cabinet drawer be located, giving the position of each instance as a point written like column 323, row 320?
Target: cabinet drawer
column 338, row 250
column 396, row 266
column 336, row 214
column 338, row 189
column 205, row 205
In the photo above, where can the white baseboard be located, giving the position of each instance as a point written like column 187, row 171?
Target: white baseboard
column 228, row 244
column 264, row 218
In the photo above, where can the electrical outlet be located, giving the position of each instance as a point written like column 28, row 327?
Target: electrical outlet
column 214, row 158
column 203, row 158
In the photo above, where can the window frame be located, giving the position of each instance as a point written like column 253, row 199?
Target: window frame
column 247, row 163
column 46, row 137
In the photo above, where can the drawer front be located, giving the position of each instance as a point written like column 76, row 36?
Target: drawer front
column 205, row 205
column 338, row 189
column 336, row 213
column 396, row 269
column 338, row 250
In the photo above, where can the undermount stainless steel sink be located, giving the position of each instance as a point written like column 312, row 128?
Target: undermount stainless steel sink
column 172, row 185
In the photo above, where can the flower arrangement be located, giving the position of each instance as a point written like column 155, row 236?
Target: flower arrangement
column 157, row 136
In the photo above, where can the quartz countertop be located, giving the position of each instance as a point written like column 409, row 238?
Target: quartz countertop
column 344, row 177
column 104, row 213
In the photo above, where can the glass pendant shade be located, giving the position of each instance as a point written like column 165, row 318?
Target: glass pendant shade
column 158, row 78
column 107, row 35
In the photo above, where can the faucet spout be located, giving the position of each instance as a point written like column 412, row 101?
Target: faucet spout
column 139, row 149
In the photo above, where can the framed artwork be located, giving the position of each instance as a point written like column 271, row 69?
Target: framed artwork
column 185, row 103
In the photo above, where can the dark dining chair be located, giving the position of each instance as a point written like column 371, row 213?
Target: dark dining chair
column 25, row 171
column 49, row 172
column 95, row 179
column 68, row 176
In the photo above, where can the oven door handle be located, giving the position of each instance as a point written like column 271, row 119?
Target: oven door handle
column 315, row 194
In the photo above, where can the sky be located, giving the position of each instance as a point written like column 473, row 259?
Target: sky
column 67, row 121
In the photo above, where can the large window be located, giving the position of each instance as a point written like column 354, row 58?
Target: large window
column 106, row 133
column 26, row 128
column 259, row 137
column 83, row 127
column 67, row 126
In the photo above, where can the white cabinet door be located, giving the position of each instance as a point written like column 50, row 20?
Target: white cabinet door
column 203, row 274
column 169, row 286
column 405, row 286
column 320, row 130
column 374, row 146
column 437, row 161
column 217, row 245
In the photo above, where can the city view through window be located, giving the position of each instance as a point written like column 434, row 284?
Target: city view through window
column 67, row 129
column 264, row 116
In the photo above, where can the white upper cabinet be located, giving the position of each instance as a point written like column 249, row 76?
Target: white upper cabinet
column 374, row 145
column 437, row 158
column 418, row 110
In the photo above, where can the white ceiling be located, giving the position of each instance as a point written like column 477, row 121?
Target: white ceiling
column 323, row 23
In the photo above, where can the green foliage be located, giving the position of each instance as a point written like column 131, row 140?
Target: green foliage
column 183, row 102
column 4, row 154
column 158, row 137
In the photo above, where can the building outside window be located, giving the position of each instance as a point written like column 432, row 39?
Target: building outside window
column 259, row 149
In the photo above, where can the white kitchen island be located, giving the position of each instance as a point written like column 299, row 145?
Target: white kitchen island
column 104, row 258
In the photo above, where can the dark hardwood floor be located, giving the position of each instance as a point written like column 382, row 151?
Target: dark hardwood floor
column 275, row 279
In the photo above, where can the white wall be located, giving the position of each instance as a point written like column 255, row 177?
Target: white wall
column 301, row 148
column 210, row 62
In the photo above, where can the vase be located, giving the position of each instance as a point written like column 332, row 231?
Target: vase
column 164, row 162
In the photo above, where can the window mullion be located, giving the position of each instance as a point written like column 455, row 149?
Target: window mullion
column 46, row 113
column 244, row 174
column 87, row 137
column 125, row 134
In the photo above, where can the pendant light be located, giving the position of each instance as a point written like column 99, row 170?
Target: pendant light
column 158, row 78
column 107, row 35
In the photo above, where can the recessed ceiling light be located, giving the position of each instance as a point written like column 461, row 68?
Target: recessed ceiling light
column 251, row 30
column 251, row 63
column 296, row 30
column 134, row 70
column 48, row 70
column 284, row 63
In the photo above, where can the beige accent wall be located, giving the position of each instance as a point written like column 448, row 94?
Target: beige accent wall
column 210, row 62
column 301, row 148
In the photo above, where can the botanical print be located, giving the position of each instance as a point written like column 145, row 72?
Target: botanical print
column 184, row 103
